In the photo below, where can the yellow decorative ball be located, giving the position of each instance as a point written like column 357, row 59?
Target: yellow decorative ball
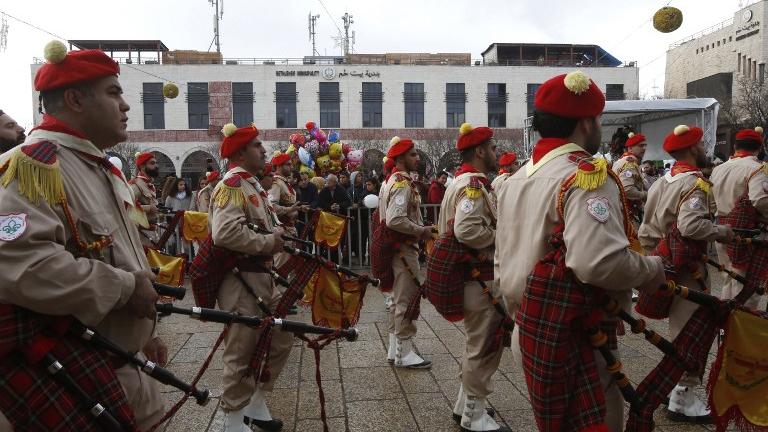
column 577, row 82
column 55, row 51
column 170, row 90
column 229, row 129
column 667, row 19
column 465, row 128
column 759, row 130
column 394, row 141
column 681, row 130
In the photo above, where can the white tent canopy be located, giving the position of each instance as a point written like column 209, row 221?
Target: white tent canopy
column 654, row 119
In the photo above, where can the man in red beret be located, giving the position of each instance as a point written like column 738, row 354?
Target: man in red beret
column 237, row 200
column 678, row 217
column 468, row 214
column 553, row 250
column 11, row 133
column 628, row 169
column 283, row 198
column 143, row 188
column 69, row 247
column 740, row 188
column 202, row 201
column 399, row 212
column 507, row 167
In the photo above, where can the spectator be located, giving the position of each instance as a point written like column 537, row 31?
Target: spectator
column 371, row 187
column 356, row 194
column 333, row 197
column 319, row 183
column 307, row 191
column 179, row 198
column 11, row 134
column 356, row 191
column 344, row 180
column 649, row 174
column 437, row 188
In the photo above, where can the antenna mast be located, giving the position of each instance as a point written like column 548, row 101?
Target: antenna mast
column 312, row 23
column 347, row 48
column 217, row 16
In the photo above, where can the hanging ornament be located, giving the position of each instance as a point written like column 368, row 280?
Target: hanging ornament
column 667, row 19
column 170, row 90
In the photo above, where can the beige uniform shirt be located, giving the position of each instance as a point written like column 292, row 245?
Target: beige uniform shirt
column 282, row 197
column 694, row 218
column 473, row 212
column 597, row 247
column 145, row 196
column 41, row 273
column 631, row 178
column 399, row 202
column 202, row 201
column 730, row 182
column 499, row 180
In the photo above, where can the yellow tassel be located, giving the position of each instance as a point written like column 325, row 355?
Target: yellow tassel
column 400, row 185
column 591, row 180
column 228, row 195
column 138, row 217
column 473, row 193
column 35, row 179
column 703, row 185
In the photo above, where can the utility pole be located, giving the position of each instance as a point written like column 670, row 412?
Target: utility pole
column 312, row 23
column 217, row 16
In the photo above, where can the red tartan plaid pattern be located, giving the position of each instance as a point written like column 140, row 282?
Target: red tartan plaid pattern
column 692, row 346
column 170, row 229
column 302, row 274
column 207, row 272
column 42, row 151
column 260, row 359
column 385, row 244
column 448, row 268
column 33, row 400
column 681, row 255
column 743, row 216
column 558, row 358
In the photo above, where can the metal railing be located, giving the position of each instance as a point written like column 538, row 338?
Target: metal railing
column 706, row 31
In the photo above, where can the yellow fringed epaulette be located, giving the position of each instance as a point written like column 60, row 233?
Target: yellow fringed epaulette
column 628, row 166
column 765, row 169
column 472, row 192
column 138, row 217
column 225, row 195
column 591, row 174
column 400, row 184
column 704, row 185
column 35, row 168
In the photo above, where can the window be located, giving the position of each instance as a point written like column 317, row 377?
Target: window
column 242, row 103
column 530, row 95
column 285, row 104
column 761, row 72
column 614, row 92
column 455, row 101
column 330, row 99
column 730, row 38
column 497, row 105
column 372, row 98
column 197, row 104
column 413, row 97
column 154, row 106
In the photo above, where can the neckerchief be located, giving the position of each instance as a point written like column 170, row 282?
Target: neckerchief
column 547, row 149
column 681, row 167
column 503, row 171
column 148, row 181
column 742, row 154
column 468, row 168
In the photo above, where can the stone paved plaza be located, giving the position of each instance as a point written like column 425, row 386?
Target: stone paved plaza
column 363, row 392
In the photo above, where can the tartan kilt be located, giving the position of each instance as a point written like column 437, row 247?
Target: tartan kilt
column 743, row 216
column 757, row 271
column 448, row 268
column 385, row 244
column 681, row 255
column 558, row 358
column 31, row 399
column 207, row 272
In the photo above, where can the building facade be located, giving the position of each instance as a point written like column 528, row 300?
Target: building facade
column 365, row 98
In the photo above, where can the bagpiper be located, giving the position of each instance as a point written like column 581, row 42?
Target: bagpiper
column 628, row 169
column 144, row 191
column 507, row 167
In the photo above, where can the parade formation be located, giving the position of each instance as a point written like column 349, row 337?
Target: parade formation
column 539, row 254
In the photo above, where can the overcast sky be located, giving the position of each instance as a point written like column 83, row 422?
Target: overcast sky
column 278, row 28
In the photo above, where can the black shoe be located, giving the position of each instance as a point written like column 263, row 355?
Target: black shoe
column 273, row 425
column 682, row 418
column 491, row 413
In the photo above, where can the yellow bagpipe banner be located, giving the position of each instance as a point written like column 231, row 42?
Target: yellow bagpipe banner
column 738, row 383
column 194, row 226
column 330, row 229
column 334, row 299
column 171, row 267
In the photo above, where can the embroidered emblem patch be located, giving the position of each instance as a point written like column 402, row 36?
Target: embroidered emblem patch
column 400, row 200
column 254, row 199
column 466, row 206
column 628, row 174
column 598, row 208
column 695, row 203
column 12, row 226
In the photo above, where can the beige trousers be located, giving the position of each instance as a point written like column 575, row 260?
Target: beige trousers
column 480, row 323
column 614, row 401
column 403, row 290
column 240, row 342
column 143, row 395
column 731, row 288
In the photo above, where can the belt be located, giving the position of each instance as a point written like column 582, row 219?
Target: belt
column 254, row 265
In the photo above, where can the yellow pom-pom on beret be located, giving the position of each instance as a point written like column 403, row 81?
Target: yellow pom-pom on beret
column 465, row 128
column 577, row 82
column 55, row 51
column 759, row 130
column 137, row 154
column 394, row 141
column 229, row 129
column 630, row 135
column 384, row 159
column 681, row 130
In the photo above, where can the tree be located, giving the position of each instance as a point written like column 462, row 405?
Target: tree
column 212, row 148
column 749, row 105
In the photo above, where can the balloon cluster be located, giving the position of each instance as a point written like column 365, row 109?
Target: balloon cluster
column 316, row 152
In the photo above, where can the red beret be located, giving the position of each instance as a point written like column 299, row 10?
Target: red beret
column 507, row 159
column 388, row 165
column 470, row 137
column 267, row 171
column 76, row 67
column 682, row 138
column 398, row 146
column 749, row 135
column 212, row 176
column 571, row 95
column 280, row 159
column 635, row 139
column 235, row 139
column 143, row 158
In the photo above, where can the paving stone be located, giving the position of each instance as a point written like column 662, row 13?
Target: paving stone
column 432, row 412
column 416, row 380
column 309, row 400
column 381, row 416
column 313, row 425
column 363, row 354
column 370, row 384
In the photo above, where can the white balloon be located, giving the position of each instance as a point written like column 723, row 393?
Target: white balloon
column 114, row 160
column 371, row 201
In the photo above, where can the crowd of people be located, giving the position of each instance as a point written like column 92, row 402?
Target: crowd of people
column 549, row 251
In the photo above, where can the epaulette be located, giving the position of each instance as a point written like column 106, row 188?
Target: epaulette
column 36, row 169
column 591, row 172
column 229, row 192
column 401, row 181
column 703, row 184
column 474, row 189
